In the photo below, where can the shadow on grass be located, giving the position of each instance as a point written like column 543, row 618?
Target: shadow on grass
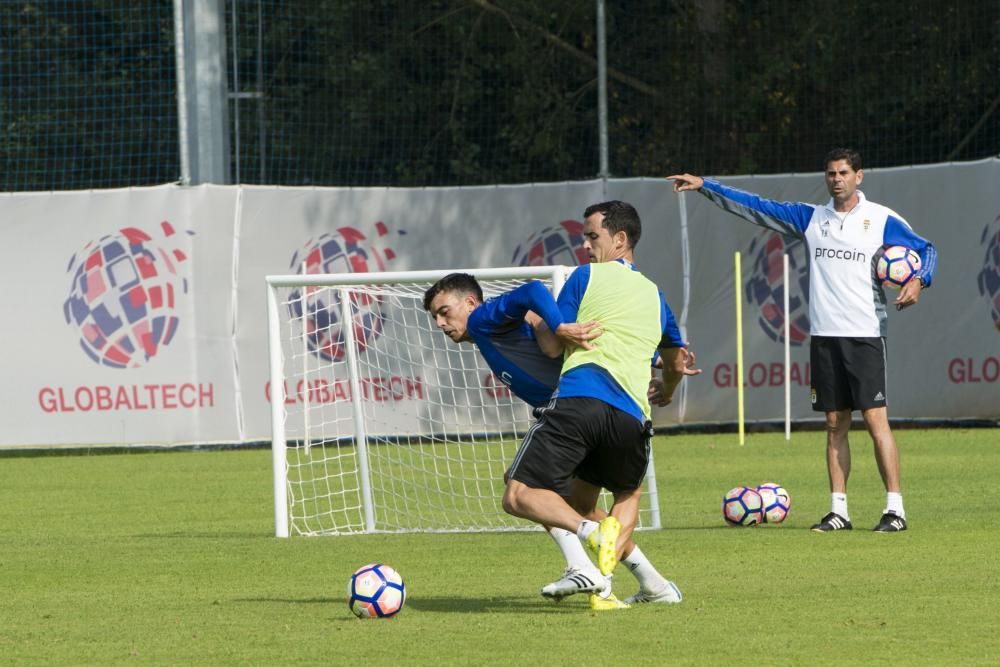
column 502, row 605
column 221, row 535
column 293, row 601
column 451, row 605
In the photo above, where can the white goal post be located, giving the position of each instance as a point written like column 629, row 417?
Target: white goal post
column 379, row 422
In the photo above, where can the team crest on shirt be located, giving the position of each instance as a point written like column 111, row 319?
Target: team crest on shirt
column 867, row 223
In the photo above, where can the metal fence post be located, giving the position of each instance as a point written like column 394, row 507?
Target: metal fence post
column 203, row 126
column 602, row 92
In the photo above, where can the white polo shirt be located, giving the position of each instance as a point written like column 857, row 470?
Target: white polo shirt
column 845, row 296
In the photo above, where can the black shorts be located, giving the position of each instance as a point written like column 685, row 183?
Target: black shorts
column 584, row 438
column 847, row 373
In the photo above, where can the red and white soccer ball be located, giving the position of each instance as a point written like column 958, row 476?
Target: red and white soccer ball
column 742, row 506
column 776, row 502
column 896, row 265
column 375, row 591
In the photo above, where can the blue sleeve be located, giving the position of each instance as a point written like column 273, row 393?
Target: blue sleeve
column 512, row 306
column 572, row 293
column 790, row 218
column 671, row 333
column 897, row 232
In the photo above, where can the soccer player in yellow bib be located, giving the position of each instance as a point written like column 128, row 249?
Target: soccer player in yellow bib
column 597, row 428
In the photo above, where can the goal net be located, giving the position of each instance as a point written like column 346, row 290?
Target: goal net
column 380, row 423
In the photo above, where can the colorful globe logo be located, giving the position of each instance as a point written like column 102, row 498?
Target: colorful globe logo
column 124, row 294
column 559, row 245
column 320, row 310
column 989, row 277
column 766, row 287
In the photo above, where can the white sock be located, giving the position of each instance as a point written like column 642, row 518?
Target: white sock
column 650, row 581
column 840, row 505
column 571, row 547
column 586, row 528
column 894, row 504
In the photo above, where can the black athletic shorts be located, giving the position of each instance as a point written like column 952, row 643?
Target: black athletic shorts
column 585, row 438
column 847, row 373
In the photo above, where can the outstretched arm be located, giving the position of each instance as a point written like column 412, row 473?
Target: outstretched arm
column 686, row 182
column 783, row 217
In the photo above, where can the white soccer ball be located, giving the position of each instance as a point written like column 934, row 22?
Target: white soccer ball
column 742, row 506
column 775, row 501
column 375, row 591
column 896, row 266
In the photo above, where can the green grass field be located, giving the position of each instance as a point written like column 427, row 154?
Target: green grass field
column 168, row 558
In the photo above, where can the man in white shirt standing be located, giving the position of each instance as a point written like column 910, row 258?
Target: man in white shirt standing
column 847, row 313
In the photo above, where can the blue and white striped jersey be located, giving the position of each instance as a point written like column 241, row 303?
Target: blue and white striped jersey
column 845, row 296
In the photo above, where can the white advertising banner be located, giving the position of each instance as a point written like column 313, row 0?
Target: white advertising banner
column 123, row 331
column 141, row 314
column 378, row 229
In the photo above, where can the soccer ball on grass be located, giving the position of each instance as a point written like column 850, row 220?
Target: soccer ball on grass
column 375, row 591
column 742, row 506
column 775, row 502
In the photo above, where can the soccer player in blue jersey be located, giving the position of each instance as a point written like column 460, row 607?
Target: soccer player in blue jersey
column 596, row 429
column 514, row 333
column 506, row 331
column 847, row 313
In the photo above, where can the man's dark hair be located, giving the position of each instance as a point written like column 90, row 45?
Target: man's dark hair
column 619, row 216
column 462, row 283
column 852, row 156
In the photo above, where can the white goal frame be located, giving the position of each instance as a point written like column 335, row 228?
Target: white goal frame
column 279, row 341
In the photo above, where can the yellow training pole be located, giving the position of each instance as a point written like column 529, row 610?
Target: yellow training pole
column 739, row 347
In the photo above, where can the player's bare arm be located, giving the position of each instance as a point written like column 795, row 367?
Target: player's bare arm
column 685, row 182
column 655, row 394
column 579, row 334
column 673, row 364
column 678, row 363
column 573, row 334
column 690, row 361
column 547, row 341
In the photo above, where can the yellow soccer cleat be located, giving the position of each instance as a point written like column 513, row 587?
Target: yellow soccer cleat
column 592, row 544
column 606, row 539
column 609, row 603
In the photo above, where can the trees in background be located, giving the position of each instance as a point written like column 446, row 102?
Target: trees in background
column 465, row 92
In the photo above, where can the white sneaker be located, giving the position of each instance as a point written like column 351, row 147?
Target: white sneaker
column 670, row 595
column 573, row 581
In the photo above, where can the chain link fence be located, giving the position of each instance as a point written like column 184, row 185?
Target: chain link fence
column 471, row 92
column 87, row 95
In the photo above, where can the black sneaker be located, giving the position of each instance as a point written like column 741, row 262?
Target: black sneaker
column 832, row 521
column 890, row 523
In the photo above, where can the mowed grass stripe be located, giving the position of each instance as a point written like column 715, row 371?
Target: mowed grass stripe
column 168, row 558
